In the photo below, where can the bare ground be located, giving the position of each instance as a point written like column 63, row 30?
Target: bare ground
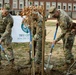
column 22, row 58
column 21, row 52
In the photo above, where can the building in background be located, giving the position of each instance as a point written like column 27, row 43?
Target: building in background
column 68, row 5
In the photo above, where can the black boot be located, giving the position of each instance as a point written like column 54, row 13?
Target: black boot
column 0, row 65
column 12, row 64
column 72, row 61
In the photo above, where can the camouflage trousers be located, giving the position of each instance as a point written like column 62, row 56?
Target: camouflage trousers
column 38, row 56
column 7, row 45
column 68, row 41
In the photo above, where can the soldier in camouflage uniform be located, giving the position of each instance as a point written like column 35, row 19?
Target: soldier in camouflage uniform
column 67, row 36
column 38, row 38
column 6, row 23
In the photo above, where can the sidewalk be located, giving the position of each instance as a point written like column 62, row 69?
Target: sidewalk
column 56, row 20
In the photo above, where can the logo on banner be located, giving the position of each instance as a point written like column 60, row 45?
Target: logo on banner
column 25, row 28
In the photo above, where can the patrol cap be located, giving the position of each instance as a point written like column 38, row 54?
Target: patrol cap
column 6, row 6
column 52, row 10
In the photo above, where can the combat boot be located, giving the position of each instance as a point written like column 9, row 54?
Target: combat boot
column 66, row 65
column 62, row 68
column 72, row 61
column 0, row 65
column 12, row 64
column 29, row 62
column 30, row 59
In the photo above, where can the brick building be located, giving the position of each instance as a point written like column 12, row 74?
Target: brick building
column 68, row 5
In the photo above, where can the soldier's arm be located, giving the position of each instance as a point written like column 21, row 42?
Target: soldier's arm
column 63, row 24
column 59, row 37
column 8, row 29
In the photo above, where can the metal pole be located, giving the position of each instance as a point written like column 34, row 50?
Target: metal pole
column 43, row 39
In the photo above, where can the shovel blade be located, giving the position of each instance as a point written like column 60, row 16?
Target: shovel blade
column 7, row 57
column 48, row 67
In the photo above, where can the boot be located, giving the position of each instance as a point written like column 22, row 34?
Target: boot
column 72, row 61
column 0, row 65
column 29, row 62
column 66, row 65
column 62, row 68
column 12, row 64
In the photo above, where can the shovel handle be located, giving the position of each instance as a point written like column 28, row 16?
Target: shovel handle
column 1, row 48
column 55, row 32
column 54, row 38
column 4, row 52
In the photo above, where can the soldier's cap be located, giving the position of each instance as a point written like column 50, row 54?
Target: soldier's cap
column 52, row 10
column 6, row 6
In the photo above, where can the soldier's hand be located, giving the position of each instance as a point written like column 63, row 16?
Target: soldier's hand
column 73, row 31
column 57, row 24
column 54, row 42
column 0, row 41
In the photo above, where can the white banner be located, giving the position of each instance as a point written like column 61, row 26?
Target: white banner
column 18, row 31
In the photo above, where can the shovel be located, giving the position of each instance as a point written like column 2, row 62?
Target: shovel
column 68, row 72
column 48, row 66
column 4, row 53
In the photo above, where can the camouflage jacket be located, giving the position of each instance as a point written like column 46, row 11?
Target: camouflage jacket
column 7, row 26
column 64, row 22
column 39, row 24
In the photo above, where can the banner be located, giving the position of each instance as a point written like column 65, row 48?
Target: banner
column 20, row 33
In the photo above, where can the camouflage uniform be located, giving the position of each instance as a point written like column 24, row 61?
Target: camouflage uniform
column 37, row 33
column 6, row 24
column 67, row 36
column 38, row 38
column 1, row 23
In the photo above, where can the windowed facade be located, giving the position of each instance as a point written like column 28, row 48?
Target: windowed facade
column 21, row 4
column 36, row 3
column 15, row 4
column 74, row 7
column 69, row 6
column 59, row 5
column 41, row 3
column 47, row 5
column 26, row 3
column 6, row 1
column 64, row 6
column 1, row 3
column 54, row 4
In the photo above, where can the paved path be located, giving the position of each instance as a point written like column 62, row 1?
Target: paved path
column 56, row 20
